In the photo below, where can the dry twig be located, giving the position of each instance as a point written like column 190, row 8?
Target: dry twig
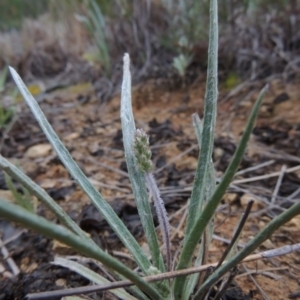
column 168, row 275
column 8, row 259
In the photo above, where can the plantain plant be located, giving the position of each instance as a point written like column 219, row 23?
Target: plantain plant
column 205, row 197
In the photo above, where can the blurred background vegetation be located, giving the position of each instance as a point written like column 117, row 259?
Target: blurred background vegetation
column 258, row 38
column 13, row 12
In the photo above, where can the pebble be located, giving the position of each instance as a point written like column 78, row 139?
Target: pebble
column 38, row 151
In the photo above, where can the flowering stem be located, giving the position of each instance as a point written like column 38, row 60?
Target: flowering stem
column 143, row 157
column 161, row 214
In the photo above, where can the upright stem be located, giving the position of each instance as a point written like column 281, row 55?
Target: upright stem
column 161, row 214
column 143, row 159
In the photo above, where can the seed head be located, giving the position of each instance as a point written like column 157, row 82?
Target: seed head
column 142, row 151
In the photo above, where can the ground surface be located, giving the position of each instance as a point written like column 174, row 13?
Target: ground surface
column 91, row 132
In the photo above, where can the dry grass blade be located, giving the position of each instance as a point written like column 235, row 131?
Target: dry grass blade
column 257, row 178
column 236, row 234
column 176, row 158
column 265, row 272
column 226, row 284
column 264, row 295
column 277, row 187
column 14, row 268
column 262, row 165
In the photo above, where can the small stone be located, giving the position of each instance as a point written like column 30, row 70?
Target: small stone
column 7, row 274
column 7, row 195
column 268, row 244
column 245, row 200
column 100, row 130
column 38, row 151
column 48, row 183
column 145, row 249
column 218, row 153
column 2, row 269
column 294, row 224
column 61, row 282
column 32, row 267
column 230, row 198
column 24, row 264
column 72, row 136
column 61, row 248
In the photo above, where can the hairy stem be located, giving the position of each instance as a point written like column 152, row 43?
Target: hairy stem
column 143, row 154
column 161, row 214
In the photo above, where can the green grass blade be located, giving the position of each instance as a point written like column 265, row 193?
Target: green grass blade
column 28, row 199
column 104, row 208
column 16, row 214
column 97, row 21
column 210, row 188
column 209, row 120
column 192, row 281
column 207, row 139
column 211, row 178
column 90, row 275
column 95, row 9
column 18, row 197
column 136, row 176
column 262, row 236
column 42, row 195
column 209, row 210
column 3, row 77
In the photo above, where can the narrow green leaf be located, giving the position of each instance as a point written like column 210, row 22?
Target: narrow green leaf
column 22, row 201
column 16, row 214
column 207, row 139
column 134, row 290
column 250, row 247
column 192, row 280
column 209, row 120
column 136, row 176
column 3, row 77
column 90, row 275
column 209, row 210
column 95, row 8
column 42, row 195
column 210, row 188
column 211, row 178
column 105, row 209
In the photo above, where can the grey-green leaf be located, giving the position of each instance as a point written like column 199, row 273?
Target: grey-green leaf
column 206, row 215
column 16, row 214
column 135, row 175
column 105, row 209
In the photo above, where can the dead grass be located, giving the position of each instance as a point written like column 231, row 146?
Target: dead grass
column 252, row 46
